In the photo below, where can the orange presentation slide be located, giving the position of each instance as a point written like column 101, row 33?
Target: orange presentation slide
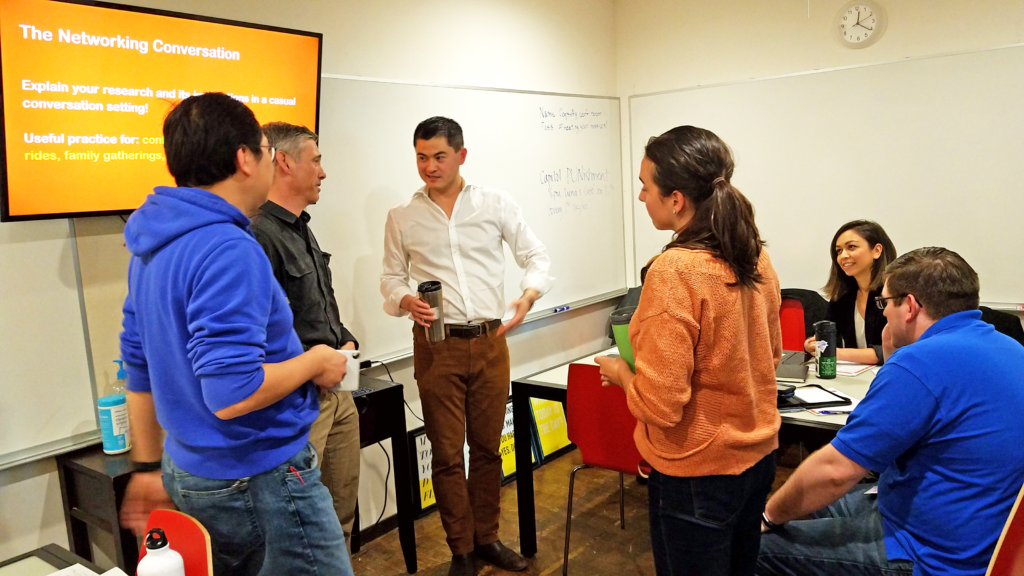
column 86, row 90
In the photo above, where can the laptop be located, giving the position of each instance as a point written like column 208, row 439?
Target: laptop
column 791, row 368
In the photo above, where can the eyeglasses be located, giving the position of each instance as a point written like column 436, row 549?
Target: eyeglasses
column 880, row 301
column 273, row 151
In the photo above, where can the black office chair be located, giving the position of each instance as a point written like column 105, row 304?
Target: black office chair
column 1003, row 322
column 813, row 304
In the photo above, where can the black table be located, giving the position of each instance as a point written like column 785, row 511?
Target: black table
column 551, row 385
column 92, row 483
column 382, row 416
column 92, row 487
column 522, row 416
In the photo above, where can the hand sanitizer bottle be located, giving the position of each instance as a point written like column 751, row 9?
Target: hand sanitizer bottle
column 121, row 385
column 113, row 410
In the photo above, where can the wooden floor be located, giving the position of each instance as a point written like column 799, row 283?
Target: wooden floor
column 598, row 545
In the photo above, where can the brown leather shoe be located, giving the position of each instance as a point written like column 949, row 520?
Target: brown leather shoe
column 501, row 556
column 462, row 565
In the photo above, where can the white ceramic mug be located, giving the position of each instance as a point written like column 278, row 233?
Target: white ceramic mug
column 351, row 380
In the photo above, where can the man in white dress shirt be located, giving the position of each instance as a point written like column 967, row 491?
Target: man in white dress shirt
column 451, row 231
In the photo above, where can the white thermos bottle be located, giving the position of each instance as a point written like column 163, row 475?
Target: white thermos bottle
column 160, row 560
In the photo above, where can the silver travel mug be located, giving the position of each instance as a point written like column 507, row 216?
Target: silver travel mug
column 430, row 292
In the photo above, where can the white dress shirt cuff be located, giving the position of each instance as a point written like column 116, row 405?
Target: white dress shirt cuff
column 542, row 283
column 393, row 304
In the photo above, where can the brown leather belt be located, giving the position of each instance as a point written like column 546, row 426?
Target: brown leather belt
column 470, row 331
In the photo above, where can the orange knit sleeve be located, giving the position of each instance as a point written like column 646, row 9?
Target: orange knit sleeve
column 774, row 301
column 667, row 325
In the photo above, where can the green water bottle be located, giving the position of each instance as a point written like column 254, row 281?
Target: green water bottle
column 825, row 339
column 620, row 328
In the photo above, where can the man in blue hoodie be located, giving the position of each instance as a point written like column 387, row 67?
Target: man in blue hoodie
column 213, row 360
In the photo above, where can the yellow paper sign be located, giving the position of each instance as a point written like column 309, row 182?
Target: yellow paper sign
column 550, row 425
column 508, row 445
column 423, row 455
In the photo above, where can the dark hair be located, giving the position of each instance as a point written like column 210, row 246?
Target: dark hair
column 941, row 281
column 699, row 165
column 439, row 126
column 838, row 282
column 288, row 138
column 202, row 134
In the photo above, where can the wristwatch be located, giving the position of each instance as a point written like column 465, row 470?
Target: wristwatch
column 146, row 466
column 768, row 523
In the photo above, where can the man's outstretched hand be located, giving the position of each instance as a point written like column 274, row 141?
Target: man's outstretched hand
column 522, row 305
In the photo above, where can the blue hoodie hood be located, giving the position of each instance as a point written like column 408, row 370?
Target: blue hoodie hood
column 169, row 213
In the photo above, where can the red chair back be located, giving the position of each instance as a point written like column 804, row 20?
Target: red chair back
column 187, row 537
column 1008, row 557
column 791, row 316
column 598, row 421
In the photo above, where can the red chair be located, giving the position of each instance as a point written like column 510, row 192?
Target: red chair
column 600, row 424
column 187, row 537
column 1008, row 557
column 814, row 308
column 791, row 316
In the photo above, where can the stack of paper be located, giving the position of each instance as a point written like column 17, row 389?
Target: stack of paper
column 851, row 368
column 79, row 570
column 844, row 368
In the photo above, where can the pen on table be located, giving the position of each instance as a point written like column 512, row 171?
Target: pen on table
column 833, row 412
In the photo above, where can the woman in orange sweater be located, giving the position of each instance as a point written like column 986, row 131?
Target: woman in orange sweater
column 706, row 341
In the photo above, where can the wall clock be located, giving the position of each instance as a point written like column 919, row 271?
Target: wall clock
column 860, row 24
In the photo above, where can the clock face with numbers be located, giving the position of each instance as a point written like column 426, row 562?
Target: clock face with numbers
column 860, row 24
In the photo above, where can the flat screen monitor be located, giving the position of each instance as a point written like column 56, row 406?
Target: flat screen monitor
column 86, row 87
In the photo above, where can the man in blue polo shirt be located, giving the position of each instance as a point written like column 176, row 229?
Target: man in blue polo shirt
column 942, row 424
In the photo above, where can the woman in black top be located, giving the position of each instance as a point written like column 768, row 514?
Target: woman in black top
column 860, row 252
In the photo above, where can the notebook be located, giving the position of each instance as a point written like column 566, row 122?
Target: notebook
column 813, row 396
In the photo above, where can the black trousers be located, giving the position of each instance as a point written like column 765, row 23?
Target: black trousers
column 708, row 525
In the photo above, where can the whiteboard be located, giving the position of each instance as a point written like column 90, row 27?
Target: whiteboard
column 48, row 404
column 515, row 142
column 932, row 149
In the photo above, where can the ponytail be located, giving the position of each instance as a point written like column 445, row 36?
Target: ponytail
column 699, row 165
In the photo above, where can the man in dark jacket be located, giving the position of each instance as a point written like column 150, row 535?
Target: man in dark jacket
column 213, row 360
column 282, row 229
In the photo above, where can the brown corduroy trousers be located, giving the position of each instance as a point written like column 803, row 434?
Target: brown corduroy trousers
column 464, row 385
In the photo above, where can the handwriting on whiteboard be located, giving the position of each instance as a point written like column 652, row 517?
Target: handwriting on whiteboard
column 573, row 120
column 573, row 190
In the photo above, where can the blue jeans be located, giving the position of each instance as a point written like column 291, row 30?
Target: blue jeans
column 270, row 524
column 844, row 538
column 708, row 525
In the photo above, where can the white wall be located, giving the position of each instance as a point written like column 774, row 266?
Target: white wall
column 31, row 513
column 544, row 45
column 672, row 44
